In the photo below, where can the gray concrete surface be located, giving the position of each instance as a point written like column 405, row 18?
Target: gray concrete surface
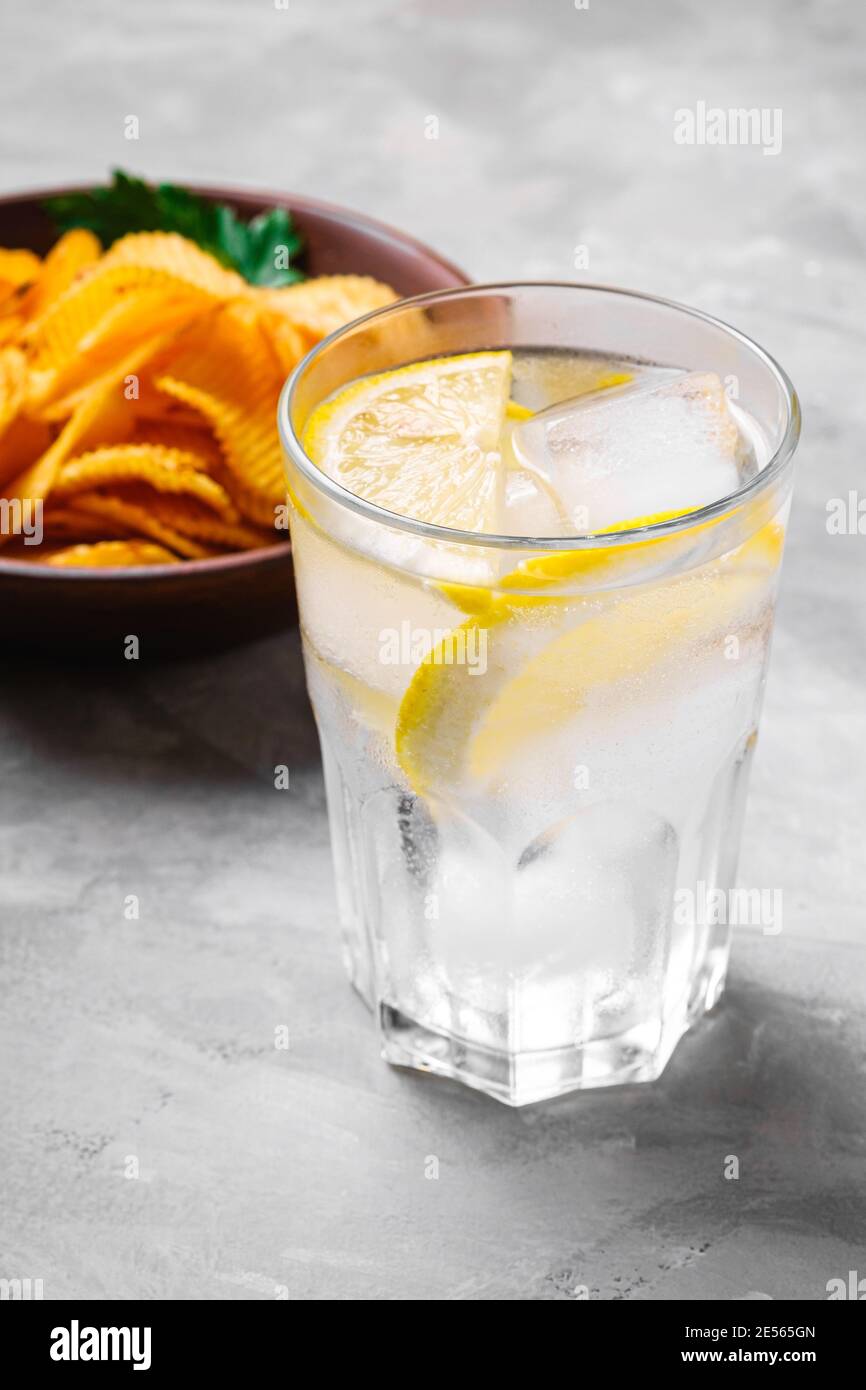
column 148, row 1046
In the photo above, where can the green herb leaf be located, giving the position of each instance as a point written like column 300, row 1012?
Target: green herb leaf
column 262, row 251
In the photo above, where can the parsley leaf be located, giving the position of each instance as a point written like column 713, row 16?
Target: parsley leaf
column 262, row 250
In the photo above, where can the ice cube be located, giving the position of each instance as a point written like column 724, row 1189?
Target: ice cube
column 530, row 506
column 632, row 451
column 592, row 903
column 365, row 617
column 469, row 900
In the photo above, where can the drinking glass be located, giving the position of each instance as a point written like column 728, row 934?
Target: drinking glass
column 526, row 840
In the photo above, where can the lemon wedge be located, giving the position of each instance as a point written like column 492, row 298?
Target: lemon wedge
column 422, row 441
column 515, row 411
column 546, row 655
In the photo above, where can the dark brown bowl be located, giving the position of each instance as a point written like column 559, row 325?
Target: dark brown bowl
column 231, row 598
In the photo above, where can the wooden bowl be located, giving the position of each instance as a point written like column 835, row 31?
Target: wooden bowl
column 230, row 598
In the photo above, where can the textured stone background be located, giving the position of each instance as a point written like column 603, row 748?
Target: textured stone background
column 155, row 1039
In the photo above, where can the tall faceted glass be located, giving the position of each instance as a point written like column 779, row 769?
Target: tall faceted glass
column 536, row 751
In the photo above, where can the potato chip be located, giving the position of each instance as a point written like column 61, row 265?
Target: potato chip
column 289, row 342
column 140, row 314
column 101, row 417
column 165, row 470
column 138, row 396
column 11, row 298
column 162, row 263
column 65, row 261
column 252, row 504
column 129, row 321
column 245, row 438
column 139, row 518
column 11, row 327
column 113, row 555
column 196, row 521
column 321, row 306
column 153, row 406
column 18, row 267
column 174, row 256
column 145, row 402
column 195, row 439
column 229, row 373
column 60, row 520
column 24, row 442
column 54, row 340
column 318, row 307
column 13, row 384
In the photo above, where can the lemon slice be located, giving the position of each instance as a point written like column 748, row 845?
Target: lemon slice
column 422, row 441
column 545, row 656
column 533, row 580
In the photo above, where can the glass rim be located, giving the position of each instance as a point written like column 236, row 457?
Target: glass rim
column 591, row 540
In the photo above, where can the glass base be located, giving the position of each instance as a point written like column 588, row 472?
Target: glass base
column 523, row 1078
column 638, row 1054
column 579, row 990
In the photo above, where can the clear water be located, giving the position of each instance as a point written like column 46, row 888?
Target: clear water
column 516, row 922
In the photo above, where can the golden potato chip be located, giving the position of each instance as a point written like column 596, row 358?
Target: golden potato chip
column 13, row 384
column 60, row 521
column 196, row 439
column 113, row 555
column 18, row 267
column 255, row 506
column 318, row 307
column 54, row 335
column 129, row 321
column 75, row 250
column 155, row 407
column 24, row 442
column 102, row 416
column 54, row 340
column 174, row 256
column 321, row 306
column 143, row 399
column 289, row 342
column 229, row 373
column 138, row 395
column 248, row 447
column 165, row 470
column 154, row 261
column 139, row 314
column 11, row 298
column 139, row 518
column 196, row 521
column 11, row 327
